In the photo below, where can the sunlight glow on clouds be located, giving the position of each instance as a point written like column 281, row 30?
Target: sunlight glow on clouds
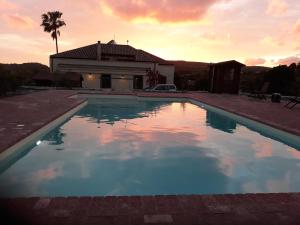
column 163, row 11
column 7, row 5
column 255, row 61
column 288, row 60
column 264, row 32
column 18, row 21
column 277, row 7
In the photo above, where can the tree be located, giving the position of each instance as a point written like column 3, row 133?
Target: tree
column 51, row 22
column 154, row 78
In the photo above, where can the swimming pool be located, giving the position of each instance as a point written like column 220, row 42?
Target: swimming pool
column 151, row 147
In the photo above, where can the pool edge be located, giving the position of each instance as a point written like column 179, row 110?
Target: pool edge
column 41, row 131
column 243, row 119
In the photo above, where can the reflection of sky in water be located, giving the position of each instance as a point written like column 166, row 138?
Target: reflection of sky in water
column 152, row 147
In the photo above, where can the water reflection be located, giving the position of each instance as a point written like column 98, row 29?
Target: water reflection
column 220, row 122
column 55, row 137
column 153, row 147
column 126, row 110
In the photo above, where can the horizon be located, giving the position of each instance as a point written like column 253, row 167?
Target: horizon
column 210, row 31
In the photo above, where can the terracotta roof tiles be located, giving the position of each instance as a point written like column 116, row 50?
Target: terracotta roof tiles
column 90, row 52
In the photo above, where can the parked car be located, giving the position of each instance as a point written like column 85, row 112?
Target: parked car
column 163, row 88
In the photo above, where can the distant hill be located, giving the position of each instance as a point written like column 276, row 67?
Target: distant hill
column 192, row 68
column 255, row 69
column 26, row 68
column 187, row 67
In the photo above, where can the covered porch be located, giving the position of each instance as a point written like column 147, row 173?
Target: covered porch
column 111, row 78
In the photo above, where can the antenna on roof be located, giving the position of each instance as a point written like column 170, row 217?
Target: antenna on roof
column 114, row 37
column 127, row 42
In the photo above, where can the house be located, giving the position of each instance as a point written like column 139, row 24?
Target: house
column 224, row 77
column 112, row 66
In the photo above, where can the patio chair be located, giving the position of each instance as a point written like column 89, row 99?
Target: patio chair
column 292, row 102
column 261, row 94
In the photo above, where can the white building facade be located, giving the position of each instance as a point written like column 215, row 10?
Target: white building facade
column 111, row 66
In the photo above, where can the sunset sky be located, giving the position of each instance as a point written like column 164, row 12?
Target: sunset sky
column 255, row 32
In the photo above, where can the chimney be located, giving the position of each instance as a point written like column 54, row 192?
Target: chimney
column 99, row 51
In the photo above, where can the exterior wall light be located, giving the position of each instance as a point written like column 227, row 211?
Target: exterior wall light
column 90, row 77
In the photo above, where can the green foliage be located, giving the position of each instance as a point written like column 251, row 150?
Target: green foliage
column 282, row 79
column 64, row 82
column 51, row 22
column 250, row 82
column 8, row 82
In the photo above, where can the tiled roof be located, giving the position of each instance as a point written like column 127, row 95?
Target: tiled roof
column 90, row 52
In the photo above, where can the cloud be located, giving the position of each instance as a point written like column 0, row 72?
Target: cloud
column 272, row 42
column 288, row 60
column 18, row 21
column 297, row 28
column 255, row 61
column 6, row 5
column 162, row 11
column 277, row 8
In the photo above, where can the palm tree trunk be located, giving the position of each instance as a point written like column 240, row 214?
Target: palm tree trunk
column 56, row 45
column 56, row 41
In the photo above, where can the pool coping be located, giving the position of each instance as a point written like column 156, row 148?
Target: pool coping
column 41, row 131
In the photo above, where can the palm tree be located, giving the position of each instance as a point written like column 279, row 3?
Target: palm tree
column 51, row 23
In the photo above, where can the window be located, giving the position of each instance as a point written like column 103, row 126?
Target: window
column 105, row 81
column 160, row 87
column 138, row 82
column 172, row 87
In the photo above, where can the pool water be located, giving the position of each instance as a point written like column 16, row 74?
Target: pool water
column 131, row 147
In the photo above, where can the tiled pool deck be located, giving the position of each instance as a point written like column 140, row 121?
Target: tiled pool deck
column 180, row 210
column 22, row 115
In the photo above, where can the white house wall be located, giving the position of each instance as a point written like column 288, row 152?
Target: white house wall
column 91, row 81
column 168, row 71
column 117, row 69
column 121, row 83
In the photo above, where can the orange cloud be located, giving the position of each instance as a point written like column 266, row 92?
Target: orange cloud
column 6, row 5
column 162, row 11
column 277, row 7
column 297, row 27
column 17, row 21
column 255, row 61
column 289, row 60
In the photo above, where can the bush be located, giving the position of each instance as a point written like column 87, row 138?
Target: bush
column 8, row 83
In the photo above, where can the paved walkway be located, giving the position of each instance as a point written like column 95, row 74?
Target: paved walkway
column 23, row 114
column 279, row 209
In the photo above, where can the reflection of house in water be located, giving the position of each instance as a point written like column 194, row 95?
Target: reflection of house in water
column 220, row 122
column 55, row 137
column 112, row 111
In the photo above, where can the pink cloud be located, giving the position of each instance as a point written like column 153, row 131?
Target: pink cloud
column 7, row 5
column 277, row 7
column 297, row 27
column 255, row 61
column 163, row 11
column 17, row 21
column 289, row 60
